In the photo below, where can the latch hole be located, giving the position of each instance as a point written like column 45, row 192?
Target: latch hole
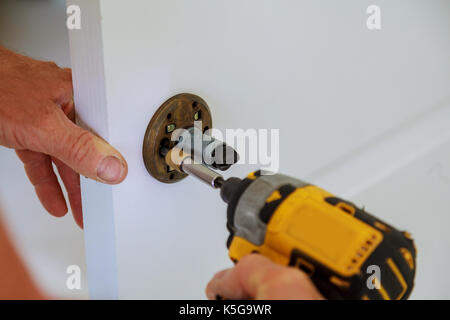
column 164, row 147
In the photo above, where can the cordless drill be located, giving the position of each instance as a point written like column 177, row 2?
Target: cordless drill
column 347, row 252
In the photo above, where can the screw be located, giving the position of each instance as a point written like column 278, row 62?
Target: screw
column 197, row 115
column 170, row 127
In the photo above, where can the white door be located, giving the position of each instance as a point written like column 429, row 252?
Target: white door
column 364, row 113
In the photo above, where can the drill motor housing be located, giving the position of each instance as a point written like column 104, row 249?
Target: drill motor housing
column 348, row 253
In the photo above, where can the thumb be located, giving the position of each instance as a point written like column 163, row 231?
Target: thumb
column 86, row 153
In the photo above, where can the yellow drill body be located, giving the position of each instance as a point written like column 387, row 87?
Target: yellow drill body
column 348, row 253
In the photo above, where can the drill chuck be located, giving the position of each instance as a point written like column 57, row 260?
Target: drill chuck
column 229, row 189
column 182, row 161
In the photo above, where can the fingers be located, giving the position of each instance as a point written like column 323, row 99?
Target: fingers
column 71, row 181
column 70, row 178
column 227, row 284
column 40, row 172
column 257, row 277
column 81, row 150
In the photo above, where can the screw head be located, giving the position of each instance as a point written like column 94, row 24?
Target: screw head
column 170, row 127
column 198, row 115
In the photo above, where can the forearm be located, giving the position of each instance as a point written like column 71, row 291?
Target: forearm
column 15, row 280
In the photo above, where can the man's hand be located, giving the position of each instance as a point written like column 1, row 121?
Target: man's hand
column 256, row 277
column 37, row 119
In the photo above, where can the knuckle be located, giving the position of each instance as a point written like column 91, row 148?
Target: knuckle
column 63, row 90
column 287, row 276
column 67, row 72
column 65, row 85
column 252, row 263
column 278, row 274
column 82, row 145
column 51, row 64
column 250, row 260
column 278, row 280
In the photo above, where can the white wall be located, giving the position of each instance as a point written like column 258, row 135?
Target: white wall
column 48, row 245
column 355, row 108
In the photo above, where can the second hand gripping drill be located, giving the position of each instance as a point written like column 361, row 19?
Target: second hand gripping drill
column 347, row 252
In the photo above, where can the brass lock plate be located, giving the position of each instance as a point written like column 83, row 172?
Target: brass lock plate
column 180, row 111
